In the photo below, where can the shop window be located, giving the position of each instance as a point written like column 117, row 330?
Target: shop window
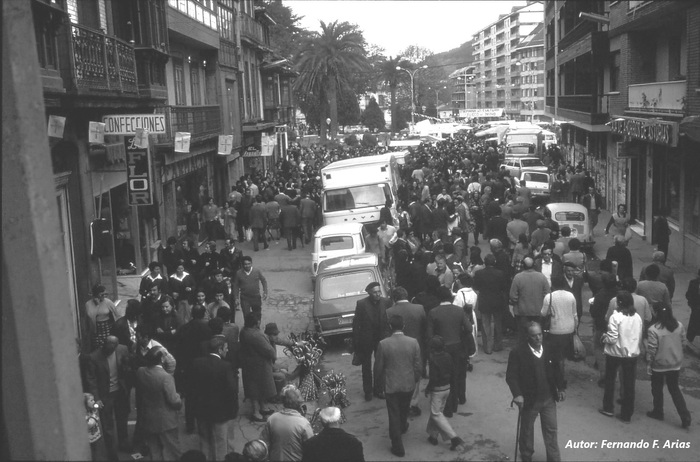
column 615, row 71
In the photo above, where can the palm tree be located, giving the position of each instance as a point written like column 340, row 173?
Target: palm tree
column 389, row 74
column 324, row 64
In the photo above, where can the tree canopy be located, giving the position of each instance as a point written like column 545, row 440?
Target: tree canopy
column 373, row 117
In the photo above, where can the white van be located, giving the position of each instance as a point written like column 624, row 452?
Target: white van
column 337, row 240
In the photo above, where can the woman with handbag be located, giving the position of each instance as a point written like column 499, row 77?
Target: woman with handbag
column 560, row 307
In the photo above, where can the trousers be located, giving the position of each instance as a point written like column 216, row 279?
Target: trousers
column 215, row 438
column 657, row 393
column 437, row 422
column 397, row 405
column 370, row 386
column 115, row 409
column 492, row 331
column 458, row 384
column 259, row 233
column 163, row 446
column 629, row 372
column 547, row 410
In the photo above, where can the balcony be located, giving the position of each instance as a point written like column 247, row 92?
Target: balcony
column 251, row 30
column 582, row 108
column 658, row 97
column 202, row 122
column 101, row 62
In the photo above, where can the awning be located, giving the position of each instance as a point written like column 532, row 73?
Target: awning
column 690, row 126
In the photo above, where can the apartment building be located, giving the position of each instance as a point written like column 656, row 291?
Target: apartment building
column 495, row 57
column 527, row 76
column 624, row 77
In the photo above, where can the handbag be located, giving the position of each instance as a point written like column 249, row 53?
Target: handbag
column 356, row 360
column 248, row 234
column 579, row 348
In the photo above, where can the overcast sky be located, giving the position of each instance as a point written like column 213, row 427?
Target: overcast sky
column 437, row 25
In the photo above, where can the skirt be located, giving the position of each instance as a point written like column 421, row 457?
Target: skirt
column 102, row 330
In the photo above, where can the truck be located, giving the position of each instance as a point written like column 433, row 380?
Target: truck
column 524, row 142
column 355, row 190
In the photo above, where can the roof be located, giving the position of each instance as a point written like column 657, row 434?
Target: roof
column 358, row 161
column 533, row 39
column 563, row 206
column 348, row 262
column 338, row 228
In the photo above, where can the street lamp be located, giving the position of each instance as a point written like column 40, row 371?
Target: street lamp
column 413, row 98
column 437, row 95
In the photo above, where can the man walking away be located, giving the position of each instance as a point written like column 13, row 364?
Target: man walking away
column 399, row 365
column 332, row 443
column 537, row 383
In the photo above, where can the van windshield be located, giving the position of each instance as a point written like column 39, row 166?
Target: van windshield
column 531, row 163
column 375, row 195
column 569, row 216
column 345, row 285
column 331, row 243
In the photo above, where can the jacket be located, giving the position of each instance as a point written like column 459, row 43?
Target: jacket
column 414, row 320
column 561, row 306
column 157, row 401
column 521, row 378
column 332, row 444
column 492, row 286
column 665, row 348
column 527, row 292
column 450, row 322
column 214, row 392
column 285, row 432
column 398, row 362
column 624, row 335
column 290, row 217
column 97, row 373
column 258, row 216
column 368, row 327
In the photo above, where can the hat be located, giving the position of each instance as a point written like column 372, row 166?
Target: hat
column 371, row 286
column 271, row 329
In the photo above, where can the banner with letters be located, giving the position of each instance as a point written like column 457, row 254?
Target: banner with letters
column 139, row 186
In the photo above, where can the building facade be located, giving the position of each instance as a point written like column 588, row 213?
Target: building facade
column 495, row 63
column 624, row 77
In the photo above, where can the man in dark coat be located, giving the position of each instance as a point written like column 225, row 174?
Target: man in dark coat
column 290, row 220
column 451, row 323
column 332, row 443
column 502, row 258
column 537, row 383
column 307, row 209
column 492, row 287
column 415, row 326
column 208, row 261
column 496, row 228
column 622, row 255
column 424, row 222
column 107, row 373
column 171, row 256
column 231, row 258
column 368, row 327
column 258, row 222
column 215, row 396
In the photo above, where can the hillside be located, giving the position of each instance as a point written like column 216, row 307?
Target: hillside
column 453, row 59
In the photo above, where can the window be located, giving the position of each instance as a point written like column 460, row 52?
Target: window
column 179, row 76
column 333, row 243
column 615, row 71
column 89, row 13
column 345, row 285
column 195, row 85
column 356, row 197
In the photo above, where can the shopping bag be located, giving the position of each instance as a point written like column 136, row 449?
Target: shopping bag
column 248, row 234
column 579, row 348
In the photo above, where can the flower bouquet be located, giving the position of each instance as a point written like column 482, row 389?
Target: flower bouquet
column 307, row 349
column 334, row 393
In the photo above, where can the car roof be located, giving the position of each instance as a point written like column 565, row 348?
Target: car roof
column 512, row 158
column 566, row 206
column 339, row 228
column 348, row 262
column 376, row 159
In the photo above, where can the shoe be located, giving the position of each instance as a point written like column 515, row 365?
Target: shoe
column 470, row 367
column 487, row 352
column 258, row 419
column 398, row 452
column 405, row 428
column 447, row 414
column 462, row 400
column 624, row 419
column 606, row 413
column 432, row 440
column 497, row 349
column 125, row 447
column 368, row 396
column 619, row 401
column 601, row 383
column 685, row 423
column 380, row 395
column 456, row 442
column 655, row 415
column 414, row 411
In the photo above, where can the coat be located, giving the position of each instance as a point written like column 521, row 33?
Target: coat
column 156, row 400
column 332, row 444
column 520, row 374
column 231, row 261
column 366, row 332
column 450, row 322
column 414, row 319
column 307, row 208
column 398, row 362
column 258, row 216
column 290, row 216
column 492, row 286
column 256, row 358
column 424, row 220
column 98, row 372
column 214, row 391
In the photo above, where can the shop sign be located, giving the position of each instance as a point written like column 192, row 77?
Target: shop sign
column 280, row 129
column 252, row 151
column 139, row 187
column 649, row 130
column 471, row 113
column 126, row 124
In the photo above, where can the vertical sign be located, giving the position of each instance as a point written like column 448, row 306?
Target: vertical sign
column 56, row 126
column 138, row 174
column 96, row 133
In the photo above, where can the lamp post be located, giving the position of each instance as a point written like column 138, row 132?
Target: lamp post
column 437, row 95
column 413, row 98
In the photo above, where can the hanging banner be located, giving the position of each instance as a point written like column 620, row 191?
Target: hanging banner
column 182, row 141
column 138, row 173
column 268, row 143
column 127, row 124
column 56, row 126
column 96, row 133
column 225, row 144
column 141, row 138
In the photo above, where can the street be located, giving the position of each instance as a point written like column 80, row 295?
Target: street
column 487, row 423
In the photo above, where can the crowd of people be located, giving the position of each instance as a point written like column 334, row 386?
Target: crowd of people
column 181, row 343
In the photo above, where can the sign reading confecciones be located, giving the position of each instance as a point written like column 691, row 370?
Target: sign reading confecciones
column 126, row 124
column 139, row 187
column 650, row 130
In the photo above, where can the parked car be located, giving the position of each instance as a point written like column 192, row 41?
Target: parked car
column 539, row 183
column 575, row 216
column 337, row 240
column 516, row 165
column 340, row 283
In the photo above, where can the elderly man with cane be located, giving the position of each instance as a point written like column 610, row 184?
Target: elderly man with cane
column 537, row 382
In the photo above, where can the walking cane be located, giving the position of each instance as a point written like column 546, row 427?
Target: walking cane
column 517, row 433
